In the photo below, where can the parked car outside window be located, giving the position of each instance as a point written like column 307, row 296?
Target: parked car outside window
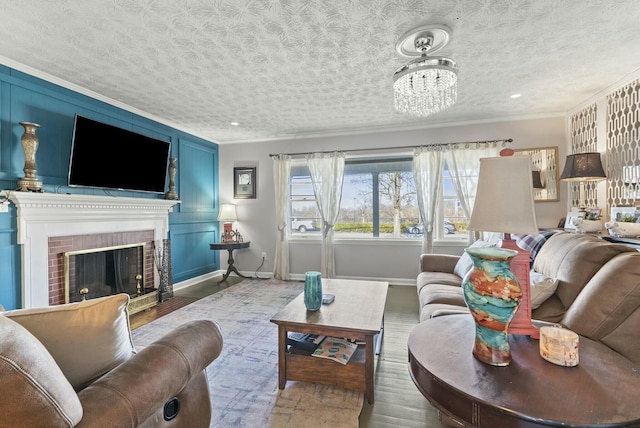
column 304, row 224
column 418, row 229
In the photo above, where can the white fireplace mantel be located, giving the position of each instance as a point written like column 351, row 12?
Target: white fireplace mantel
column 45, row 215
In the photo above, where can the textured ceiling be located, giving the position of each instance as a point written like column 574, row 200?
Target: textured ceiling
column 295, row 68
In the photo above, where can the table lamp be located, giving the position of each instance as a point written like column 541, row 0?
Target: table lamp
column 228, row 215
column 504, row 203
column 583, row 167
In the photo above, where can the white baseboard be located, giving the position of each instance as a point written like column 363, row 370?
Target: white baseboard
column 394, row 281
column 197, row 279
column 293, row 277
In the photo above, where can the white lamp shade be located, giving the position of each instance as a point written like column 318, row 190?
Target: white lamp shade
column 227, row 213
column 504, row 200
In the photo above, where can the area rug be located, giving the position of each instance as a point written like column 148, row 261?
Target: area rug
column 243, row 380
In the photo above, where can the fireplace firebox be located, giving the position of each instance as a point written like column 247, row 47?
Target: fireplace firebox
column 100, row 272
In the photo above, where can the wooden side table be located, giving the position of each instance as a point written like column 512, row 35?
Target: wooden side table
column 230, row 246
column 601, row 391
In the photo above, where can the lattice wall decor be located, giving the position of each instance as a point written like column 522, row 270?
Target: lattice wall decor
column 623, row 146
column 584, row 138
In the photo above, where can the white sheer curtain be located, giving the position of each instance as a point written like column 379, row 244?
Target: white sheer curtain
column 327, row 173
column 463, row 162
column 427, row 174
column 281, row 179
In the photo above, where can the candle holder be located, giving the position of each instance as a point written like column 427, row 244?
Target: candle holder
column 29, row 141
column 171, row 194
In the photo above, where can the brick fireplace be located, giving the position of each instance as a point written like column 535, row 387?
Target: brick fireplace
column 50, row 224
column 59, row 245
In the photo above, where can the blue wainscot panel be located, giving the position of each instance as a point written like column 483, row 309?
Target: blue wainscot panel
column 198, row 181
column 193, row 239
column 10, row 285
column 193, row 225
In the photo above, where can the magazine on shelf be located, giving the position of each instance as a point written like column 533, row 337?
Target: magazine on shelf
column 335, row 349
column 303, row 342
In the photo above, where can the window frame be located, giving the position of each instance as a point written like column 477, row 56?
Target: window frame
column 439, row 234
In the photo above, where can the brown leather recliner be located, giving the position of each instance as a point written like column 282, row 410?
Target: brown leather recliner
column 75, row 365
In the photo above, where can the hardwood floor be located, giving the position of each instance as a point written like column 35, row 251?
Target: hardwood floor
column 163, row 308
column 182, row 298
column 398, row 403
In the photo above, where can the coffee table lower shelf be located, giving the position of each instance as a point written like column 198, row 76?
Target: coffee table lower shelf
column 306, row 368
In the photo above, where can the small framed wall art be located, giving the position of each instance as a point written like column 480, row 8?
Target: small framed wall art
column 572, row 215
column 244, row 183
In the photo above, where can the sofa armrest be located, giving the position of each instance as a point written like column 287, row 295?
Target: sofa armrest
column 438, row 262
column 135, row 390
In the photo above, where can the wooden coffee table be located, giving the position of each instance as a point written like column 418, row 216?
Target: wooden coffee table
column 357, row 313
column 601, row 391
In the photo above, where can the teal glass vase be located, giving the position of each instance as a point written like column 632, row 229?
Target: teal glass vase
column 312, row 291
column 492, row 293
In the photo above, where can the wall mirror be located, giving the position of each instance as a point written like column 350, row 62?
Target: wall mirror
column 544, row 169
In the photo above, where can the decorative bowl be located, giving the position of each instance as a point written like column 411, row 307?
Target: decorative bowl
column 622, row 229
column 587, row 226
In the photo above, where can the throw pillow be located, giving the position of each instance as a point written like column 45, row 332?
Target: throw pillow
column 86, row 339
column 34, row 390
column 530, row 243
column 465, row 263
column 542, row 287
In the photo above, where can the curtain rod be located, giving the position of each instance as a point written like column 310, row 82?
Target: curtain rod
column 506, row 140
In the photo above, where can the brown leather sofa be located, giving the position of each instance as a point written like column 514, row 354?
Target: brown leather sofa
column 75, row 365
column 597, row 294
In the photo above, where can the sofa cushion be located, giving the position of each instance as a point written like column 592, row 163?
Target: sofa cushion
column 551, row 310
column 425, row 279
column 608, row 307
column 465, row 263
column 542, row 287
column 573, row 259
column 439, row 309
column 442, row 293
column 619, row 339
column 86, row 339
column 34, row 391
column 430, row 262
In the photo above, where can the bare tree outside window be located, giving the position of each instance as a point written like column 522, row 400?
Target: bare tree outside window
column 399, row 189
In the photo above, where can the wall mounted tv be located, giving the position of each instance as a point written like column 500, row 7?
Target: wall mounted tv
column 108, row 157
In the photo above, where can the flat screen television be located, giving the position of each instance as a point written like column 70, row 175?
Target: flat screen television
column 108, row 157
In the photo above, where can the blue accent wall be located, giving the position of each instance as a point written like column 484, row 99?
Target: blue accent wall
column 25, row 98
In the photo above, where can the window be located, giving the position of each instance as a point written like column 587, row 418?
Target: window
column 304, row 215
column 451, row 210
column 378, row 200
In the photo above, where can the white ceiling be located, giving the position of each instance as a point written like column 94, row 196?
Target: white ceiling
column 297, row 68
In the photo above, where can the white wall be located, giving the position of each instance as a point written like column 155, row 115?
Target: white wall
column 378, row 259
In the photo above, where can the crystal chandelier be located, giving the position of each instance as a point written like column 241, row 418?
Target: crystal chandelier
column 425, row 85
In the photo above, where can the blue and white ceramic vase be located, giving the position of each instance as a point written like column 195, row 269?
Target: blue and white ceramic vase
column 492, row 293
column 312, row 291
